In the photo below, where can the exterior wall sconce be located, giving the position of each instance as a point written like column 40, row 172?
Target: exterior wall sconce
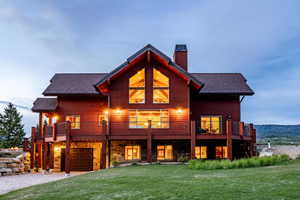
column 118, row 111
column 179, row 111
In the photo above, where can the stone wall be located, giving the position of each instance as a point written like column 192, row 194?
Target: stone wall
column 96, row 153
column 17, row 165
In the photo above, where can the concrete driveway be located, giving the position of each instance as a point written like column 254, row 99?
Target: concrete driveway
column 10, row 183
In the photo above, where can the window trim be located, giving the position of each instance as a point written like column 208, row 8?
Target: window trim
column 137, row 88
column 160, row 88
column 139, row 152
column 147, row 122
column 73, row 122
column 223, row 152
column 220, row 125
column 200, row 148
column 164, row 145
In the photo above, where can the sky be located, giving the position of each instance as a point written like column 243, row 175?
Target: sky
column 260, row 39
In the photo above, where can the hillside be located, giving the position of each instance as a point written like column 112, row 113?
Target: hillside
column 277, row 130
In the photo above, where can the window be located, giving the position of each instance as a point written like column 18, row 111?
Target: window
column 140, row 118
column 137, row 87
column 221, row 152
column 211, row 124
column 132, row 152
column 160, row 87
column 75, row 121
column 201, row 152
column 164, row 152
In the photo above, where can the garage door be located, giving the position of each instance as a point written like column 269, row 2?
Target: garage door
column 81, row 159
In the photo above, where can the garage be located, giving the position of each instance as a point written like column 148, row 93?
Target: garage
column 81, row 159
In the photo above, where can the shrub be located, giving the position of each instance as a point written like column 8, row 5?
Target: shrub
column 241, row 163
column 298, row 157
column 115, row 163
column 183, row 158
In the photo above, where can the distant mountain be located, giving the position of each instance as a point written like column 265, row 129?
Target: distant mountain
column 270, row 130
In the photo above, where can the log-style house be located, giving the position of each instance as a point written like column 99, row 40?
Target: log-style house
column 148, row 109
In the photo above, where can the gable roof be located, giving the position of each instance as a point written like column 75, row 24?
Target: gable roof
column 223, row 83
column 44, row 104
column 150, row 48
column 73, row 84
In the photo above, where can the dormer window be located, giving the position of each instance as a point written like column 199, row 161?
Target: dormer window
column 137, row 87
column 160, row 87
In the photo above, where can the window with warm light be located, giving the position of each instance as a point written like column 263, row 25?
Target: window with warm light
column 211, row 124
column 137, row 87
column 164, row 152
column 201, row 152
column 75, row 121
column 141, row 118
column 133, row 152
column 221, row 152
column 160, row 87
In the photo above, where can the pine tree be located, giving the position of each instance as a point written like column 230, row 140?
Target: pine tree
column 11, row 127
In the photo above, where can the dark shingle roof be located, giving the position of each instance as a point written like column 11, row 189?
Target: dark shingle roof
column 223, row 83
column 44, row 104
column 149, row 47
column 73, row 84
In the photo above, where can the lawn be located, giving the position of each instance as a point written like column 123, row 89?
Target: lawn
column 172, row 182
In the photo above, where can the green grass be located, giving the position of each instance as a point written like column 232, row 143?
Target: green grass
column 172, row 182
column 241, row 163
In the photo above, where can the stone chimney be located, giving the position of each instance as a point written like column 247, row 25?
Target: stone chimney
column 181, row 56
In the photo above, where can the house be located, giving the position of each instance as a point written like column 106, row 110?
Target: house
column 148, row 109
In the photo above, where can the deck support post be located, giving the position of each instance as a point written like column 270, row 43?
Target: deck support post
column 68, row 150
column 229, row 138
column 193, row 139
column 253, row 140
column 103, row 155
column 32, row 151
column 241, row 129
column 45, row 155
column 149, row 143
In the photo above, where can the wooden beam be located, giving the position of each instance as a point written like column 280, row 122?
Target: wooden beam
column 241, row 129
column 103, row 155
column 149, row 143
column 193, row 139
column 229, row 138
column 68, row 149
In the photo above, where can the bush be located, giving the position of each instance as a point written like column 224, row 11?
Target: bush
column 298, row 157
column 183, row 158
column 242, row 163
column 115, row 163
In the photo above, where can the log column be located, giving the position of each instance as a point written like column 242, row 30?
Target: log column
column 229, row 138
column 68, row 149
column 193, row 139
column 149, row 143
column 32, row 150
column 103, row 155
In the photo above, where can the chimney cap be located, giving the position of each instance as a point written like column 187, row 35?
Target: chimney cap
column 180, row 47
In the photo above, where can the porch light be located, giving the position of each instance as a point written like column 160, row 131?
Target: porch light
column 56, row 149
column 118, row 111
column 179, row 111
column 106, row 112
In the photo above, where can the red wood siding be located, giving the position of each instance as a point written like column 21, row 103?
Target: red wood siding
column 178, row 99
column 224, row 106
column 88, row 108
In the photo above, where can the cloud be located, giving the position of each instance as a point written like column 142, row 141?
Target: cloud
column 261, row 39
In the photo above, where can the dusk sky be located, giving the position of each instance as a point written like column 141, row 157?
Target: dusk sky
column 260, row 39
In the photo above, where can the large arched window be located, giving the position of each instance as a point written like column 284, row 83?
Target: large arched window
column 137, row 87
column 160, row 87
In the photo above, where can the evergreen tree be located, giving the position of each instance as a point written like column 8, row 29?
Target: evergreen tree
column 11, row 127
